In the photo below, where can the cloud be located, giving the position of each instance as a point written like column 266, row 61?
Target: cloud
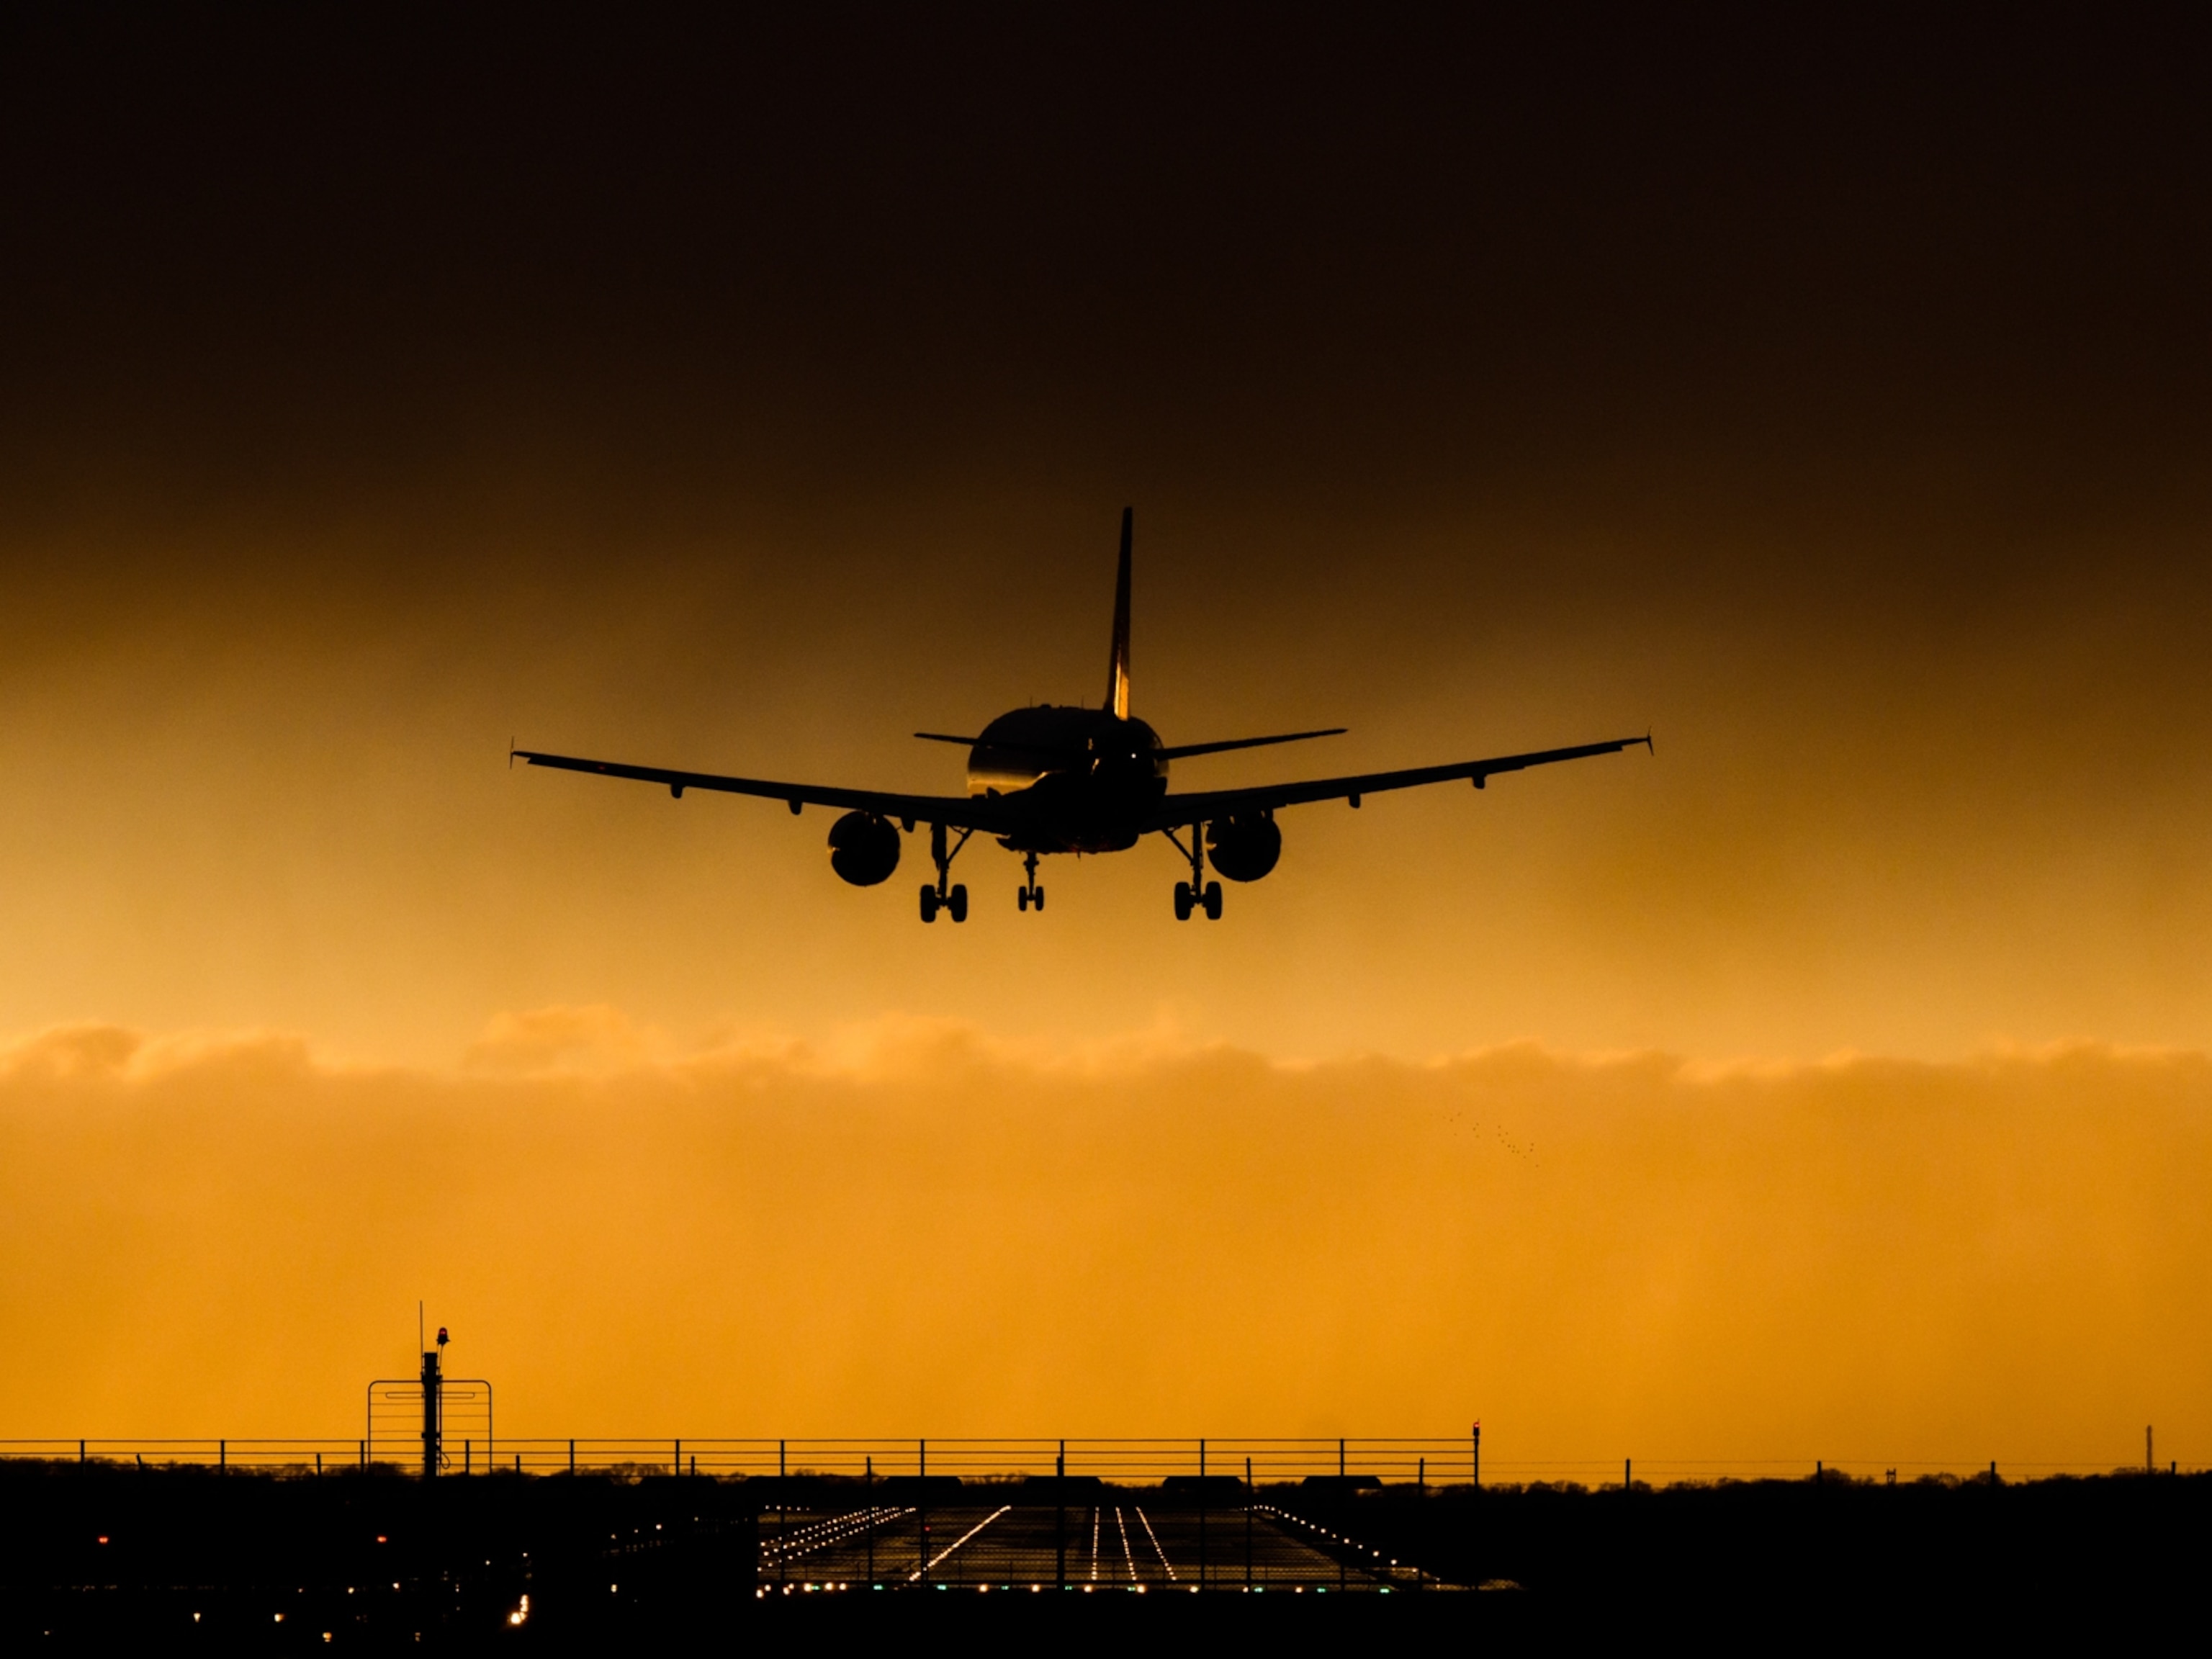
column 577, row 1039
column 929, row 1231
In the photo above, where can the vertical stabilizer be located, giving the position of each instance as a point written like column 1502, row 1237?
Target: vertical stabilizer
column 1117, row 681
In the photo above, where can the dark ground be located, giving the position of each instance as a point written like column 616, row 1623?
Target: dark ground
column 251, row 1563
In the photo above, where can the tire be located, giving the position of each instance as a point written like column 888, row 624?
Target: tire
column 928, row 903
column 1021, row 898
column 1183, row 901
column 957, row 901
column 1037, row 896
column 1214, row 900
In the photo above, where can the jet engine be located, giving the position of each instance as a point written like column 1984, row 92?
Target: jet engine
column 1244, row 848
column 864, row 849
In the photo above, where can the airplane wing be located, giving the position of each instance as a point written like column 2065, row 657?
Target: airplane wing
column 1175, row 811
column 958, row 812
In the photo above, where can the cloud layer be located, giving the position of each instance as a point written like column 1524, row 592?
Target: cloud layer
column 1863, row 1259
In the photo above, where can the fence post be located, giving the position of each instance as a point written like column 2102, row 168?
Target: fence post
column 1474, row 1464
column 782, row 1517
column 1060, row 1518
column 921, row 1506
column 80, row 1453
column 678, row 1466
column 364, row 1456
column 572, row 1456
column 1247, row 1524
column 1201, row 1513
column 222, row 1453
column 1339, row 1514
column 870, row 1488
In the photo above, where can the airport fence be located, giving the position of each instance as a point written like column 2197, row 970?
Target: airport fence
column 1119, row 1461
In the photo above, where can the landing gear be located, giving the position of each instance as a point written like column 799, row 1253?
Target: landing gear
column 1029, row 895
column 1197, row 893
column 943, row 895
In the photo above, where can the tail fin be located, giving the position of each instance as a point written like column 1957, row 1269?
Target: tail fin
column 1117, row 679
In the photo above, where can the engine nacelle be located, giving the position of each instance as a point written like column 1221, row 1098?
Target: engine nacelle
column 864, row 849
column 1244, row 848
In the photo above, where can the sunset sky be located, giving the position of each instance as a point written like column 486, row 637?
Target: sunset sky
column 1832, row 401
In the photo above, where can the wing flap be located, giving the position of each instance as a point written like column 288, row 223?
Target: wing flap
column 1175, row 811
column 959, row 812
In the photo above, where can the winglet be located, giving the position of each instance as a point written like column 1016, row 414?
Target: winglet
column 1648, row 748
column 1117, row 678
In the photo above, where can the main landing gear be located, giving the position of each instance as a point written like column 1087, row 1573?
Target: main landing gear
column 942, row 896
column 1030, row 897
column 1192, row 895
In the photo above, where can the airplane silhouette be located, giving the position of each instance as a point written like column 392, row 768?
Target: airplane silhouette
column 1058, row 779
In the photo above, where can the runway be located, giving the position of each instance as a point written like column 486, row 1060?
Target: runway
column 1126, row 1543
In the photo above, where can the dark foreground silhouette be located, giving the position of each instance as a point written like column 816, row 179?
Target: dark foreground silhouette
column 190, row 1558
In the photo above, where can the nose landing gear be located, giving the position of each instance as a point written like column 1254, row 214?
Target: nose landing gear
column 943, row 895
column 1030, row 896
column 1197, row 893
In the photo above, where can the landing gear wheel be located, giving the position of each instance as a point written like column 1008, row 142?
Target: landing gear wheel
column 1037, row 897
column 1021, row 898
column 928, row 903
column 956, row 902
column 1212, row 902
column 1183, row 901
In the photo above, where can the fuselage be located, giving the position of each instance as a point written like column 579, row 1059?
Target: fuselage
column 1082, row 778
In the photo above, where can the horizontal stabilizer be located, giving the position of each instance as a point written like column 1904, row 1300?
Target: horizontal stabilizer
column 1179, row 752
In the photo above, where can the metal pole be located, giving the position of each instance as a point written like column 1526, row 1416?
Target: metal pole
column 1201, row 1514
column 921, row 1505
column 1060, row 1518
column 222, row 1454
column 1421, row 1492
column 1628, row 1473
column 870, row 1487
column 1247, row 1524
column 782, row 1517
column 572, row 1456
column 430, row 1414
column 679, row 1454
column 1475, row 1462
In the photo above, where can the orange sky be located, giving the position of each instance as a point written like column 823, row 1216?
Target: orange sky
column 1831, row 405
column 1860, row 1260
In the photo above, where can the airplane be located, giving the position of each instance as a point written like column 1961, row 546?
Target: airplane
column 1047, row 779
